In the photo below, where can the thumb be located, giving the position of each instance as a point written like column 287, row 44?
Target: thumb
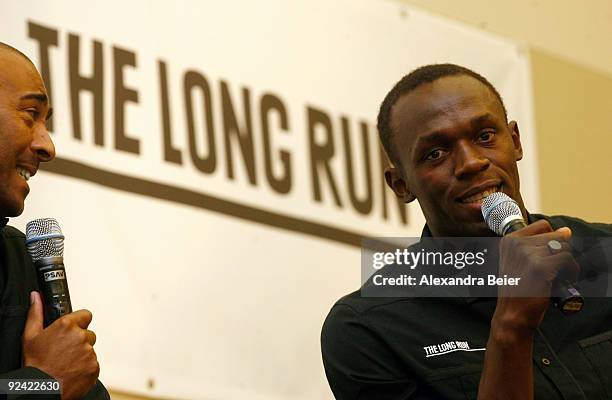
column 566, row 232
column 34, row 323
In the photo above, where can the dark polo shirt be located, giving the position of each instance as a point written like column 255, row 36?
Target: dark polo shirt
column 382, row 348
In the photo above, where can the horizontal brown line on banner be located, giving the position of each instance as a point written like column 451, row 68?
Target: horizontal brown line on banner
column 74, row 169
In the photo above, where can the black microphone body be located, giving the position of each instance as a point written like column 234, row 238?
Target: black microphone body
column 54, row 287
column 45, row 243
column 503, row 216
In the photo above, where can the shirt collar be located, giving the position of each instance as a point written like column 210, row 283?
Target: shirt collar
column 426, row 232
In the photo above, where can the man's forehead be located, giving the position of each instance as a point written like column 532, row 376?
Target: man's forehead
column 18, row 74
column 442, row 103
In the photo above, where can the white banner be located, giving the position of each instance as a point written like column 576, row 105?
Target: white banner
column 217, row 166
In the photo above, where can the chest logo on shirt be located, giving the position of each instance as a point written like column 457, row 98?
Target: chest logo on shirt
column 448, row 347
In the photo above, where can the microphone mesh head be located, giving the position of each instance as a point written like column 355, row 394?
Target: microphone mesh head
column 44, row 239
column 496, row 207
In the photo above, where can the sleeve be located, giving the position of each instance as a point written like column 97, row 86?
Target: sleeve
column 358, row 364
column 97, row 392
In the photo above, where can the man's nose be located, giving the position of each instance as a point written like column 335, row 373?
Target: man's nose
column 42, row 145
column 470, row 160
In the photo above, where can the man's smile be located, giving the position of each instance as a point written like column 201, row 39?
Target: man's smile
column 477, row 193
column 25, row 174
column 26, row 169
column 472, row 198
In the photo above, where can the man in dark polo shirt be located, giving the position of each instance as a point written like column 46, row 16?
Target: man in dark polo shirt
column 63, row 350
column 446, row 131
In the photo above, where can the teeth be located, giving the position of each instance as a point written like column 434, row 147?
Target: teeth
column 479, row 196
column 24, row 174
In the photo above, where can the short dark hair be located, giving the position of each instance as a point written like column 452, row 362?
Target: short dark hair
column 414, row 79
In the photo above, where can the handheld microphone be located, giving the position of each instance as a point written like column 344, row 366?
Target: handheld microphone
column 45, row 244
column 503, row 216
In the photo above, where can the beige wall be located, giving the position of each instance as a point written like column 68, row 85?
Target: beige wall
column 573, row 106
column 578, row 30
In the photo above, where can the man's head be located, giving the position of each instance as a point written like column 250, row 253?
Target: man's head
column 24, row 140
column 445, row 129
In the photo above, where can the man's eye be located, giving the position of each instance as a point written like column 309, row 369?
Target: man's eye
column 486, row 136
column 33, row 112
column 434, row 155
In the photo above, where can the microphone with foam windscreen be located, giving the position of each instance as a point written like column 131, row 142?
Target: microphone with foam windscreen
column 503, row 216
column 45, row 243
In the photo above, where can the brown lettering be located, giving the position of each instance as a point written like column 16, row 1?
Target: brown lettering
column 268, row 103
column 321, row 154
column 123, row 94
column 191, row 81
column 363, row 206
column 171, row 154
column 244, row 135
column 93, row 84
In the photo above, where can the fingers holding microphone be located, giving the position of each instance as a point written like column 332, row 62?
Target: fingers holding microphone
column 554, row 260
column 538, row 256
column 64, row 349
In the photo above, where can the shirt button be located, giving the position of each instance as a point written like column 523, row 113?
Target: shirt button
column 545, row 361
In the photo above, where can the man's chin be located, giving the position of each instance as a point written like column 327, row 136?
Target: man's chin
column 13, row 209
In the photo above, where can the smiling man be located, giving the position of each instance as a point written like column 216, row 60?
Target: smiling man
column 64, row 349
column 24, row 140
column 445, row 129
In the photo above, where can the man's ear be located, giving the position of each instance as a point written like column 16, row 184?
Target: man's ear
column 396, row 182
column 516, row 139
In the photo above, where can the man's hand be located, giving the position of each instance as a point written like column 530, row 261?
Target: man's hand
column 508, row 367
column 63, row 350
column 525, row 254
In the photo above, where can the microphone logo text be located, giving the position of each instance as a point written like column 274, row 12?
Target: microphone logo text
column 54, row 275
